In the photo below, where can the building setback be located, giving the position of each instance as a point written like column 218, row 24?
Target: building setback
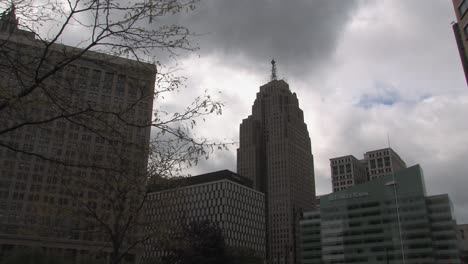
column 275, row 153
column 348, row 171
column 460, row 29
column 361, row 224
column 223, row 198
column 41, row 201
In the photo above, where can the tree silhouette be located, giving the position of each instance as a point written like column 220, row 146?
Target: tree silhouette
column 196, row 242
column 90, row 171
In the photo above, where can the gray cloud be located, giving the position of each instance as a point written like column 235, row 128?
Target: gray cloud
column 398, row 57
column 428, row 133
column 300, row 34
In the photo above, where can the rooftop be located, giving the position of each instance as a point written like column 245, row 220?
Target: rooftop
column 166, row 184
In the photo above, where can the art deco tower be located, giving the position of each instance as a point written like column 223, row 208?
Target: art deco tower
column 275, row 153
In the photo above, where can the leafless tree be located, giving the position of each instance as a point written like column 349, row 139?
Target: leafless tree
column 87, row 157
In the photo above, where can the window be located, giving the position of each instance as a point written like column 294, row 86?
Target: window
column 379, row 163
column 108, row 81
column 463, row 7
column 348, row 168
column 342, row 169
column 120, row 86
column 335, row 170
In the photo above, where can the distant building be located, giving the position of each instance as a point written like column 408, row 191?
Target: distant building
column 222, row 197
column 383, row 162
column 366, row 223
column 348, row 171
column 463, row 242
column 460, row 29
column 275, row 153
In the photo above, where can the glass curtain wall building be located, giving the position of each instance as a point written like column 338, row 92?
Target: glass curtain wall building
column 363, row 225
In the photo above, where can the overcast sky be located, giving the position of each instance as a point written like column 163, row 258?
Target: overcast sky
column 361, row 70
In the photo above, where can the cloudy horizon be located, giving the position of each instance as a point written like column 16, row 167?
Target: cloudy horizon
column 363, row 71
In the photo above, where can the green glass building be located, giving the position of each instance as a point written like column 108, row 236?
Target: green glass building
column 362, row 224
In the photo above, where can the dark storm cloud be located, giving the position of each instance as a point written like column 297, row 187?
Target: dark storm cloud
column 300, row 34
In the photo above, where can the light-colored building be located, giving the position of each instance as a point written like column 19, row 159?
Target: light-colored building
column 348, row 171
column 43, row 194
column 383, row 162
column 460, row 29
column 311, row 243
column 382, row 221
column 463, row 242
column 223, row 198
column 275, row 153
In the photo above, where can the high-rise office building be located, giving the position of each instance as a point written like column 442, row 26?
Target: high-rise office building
column 275, row 153
column 460, row 29
column 57, row 138
column 223, row 198
column 382, row 221
column 348, row 171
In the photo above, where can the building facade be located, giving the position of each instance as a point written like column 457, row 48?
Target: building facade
column 275, row 153
column 383, row 221
column 463, row 242
column 311, row 243
column 348, row 171
column 383, row 162
column 59, row 139
column 223, row 198
column 460, row 29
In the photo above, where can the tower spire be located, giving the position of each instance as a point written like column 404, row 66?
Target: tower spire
column 274, row 77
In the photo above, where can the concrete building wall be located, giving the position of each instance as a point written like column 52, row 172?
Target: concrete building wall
column 348, row 171
column 443, row 229
column 383, row 162
column 463, row 242
column 236, row 209
column 311, row 238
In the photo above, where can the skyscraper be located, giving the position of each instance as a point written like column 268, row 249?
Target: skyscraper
column 460, row 29
column 275, row 153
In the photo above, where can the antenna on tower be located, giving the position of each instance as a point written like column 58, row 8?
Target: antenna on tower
column 274, row 77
